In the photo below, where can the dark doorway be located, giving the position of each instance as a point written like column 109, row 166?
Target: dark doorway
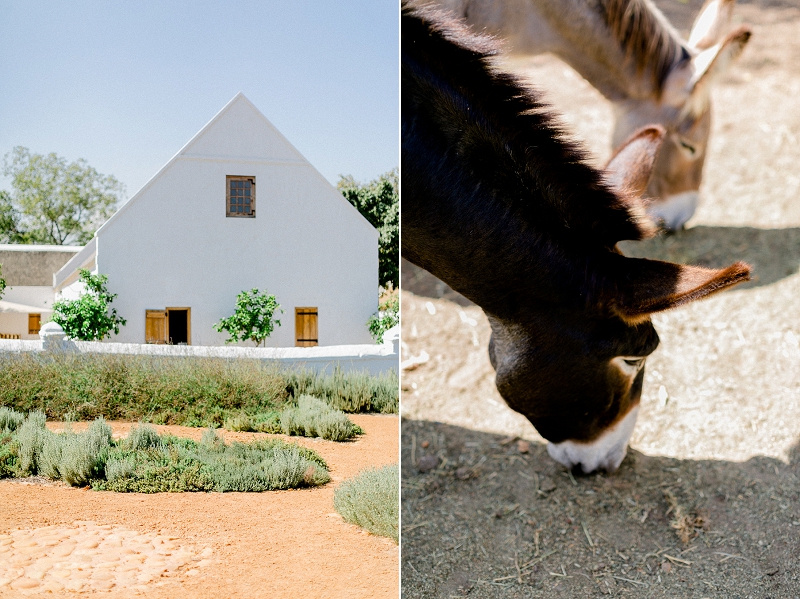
column 178, row 325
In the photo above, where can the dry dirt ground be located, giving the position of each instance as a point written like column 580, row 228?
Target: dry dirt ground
column 247, row 545
column 707, row 504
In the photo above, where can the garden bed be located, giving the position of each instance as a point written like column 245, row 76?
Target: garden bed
column 238, row 545
column 184, row 391
column 147, row 462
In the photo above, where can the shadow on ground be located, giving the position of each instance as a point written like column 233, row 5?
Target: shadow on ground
column 420, row 282
column 496, row 518
column 773, row 253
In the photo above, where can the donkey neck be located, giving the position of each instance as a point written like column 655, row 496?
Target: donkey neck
column 489, row 259
column 491, row 252
column 496, row 202
column 580, row 33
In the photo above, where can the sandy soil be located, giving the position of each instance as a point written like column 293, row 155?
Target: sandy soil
column 718, row 438
column 274, row 544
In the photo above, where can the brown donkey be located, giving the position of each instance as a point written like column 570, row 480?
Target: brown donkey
column 498, row 205
column 631, row 54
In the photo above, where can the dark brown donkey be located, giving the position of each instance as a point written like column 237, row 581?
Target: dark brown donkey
column 503, row 209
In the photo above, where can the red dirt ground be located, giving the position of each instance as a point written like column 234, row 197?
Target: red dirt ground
column 273, row 544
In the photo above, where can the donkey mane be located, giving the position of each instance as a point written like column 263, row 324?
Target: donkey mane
column 507, row 138
column 646, row 37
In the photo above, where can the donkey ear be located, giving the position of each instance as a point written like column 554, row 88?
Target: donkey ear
column 628, row 172
column 688, row 86
column 652, row 286
column 711, row 63
column 711, row 23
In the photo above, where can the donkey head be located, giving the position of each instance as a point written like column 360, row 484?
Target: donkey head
column 574, row 365
column 684, row 109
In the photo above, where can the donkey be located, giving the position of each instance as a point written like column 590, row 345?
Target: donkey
column 631, row 54
column 501, row 207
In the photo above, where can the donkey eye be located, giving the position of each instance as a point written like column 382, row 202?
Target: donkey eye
column 689, row 148
column 629, row 366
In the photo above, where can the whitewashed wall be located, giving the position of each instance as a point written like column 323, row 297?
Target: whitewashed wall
column 15, row 323
column 172, row 245
column 18, row 302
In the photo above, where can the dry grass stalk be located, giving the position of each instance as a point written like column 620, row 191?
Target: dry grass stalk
column 686, row 524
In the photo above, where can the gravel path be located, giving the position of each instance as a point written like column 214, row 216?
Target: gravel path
column 91, row 557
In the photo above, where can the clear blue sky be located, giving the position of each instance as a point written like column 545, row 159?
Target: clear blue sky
column 126, row 84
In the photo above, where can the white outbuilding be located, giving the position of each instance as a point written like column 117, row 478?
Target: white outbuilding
column 238, row 207
column 28, row 298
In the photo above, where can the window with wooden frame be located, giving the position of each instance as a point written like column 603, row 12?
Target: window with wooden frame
column 305, row 327
column 34, row 323
column 240, row 197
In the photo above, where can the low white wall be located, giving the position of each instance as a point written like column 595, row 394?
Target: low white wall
column 374, row 358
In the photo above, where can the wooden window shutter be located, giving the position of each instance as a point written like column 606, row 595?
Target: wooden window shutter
column 155, row 327
column 305, row 327
column 34, row 323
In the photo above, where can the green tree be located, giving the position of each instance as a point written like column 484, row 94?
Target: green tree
column 2, row 282
column 379, row 202
column 9, row 221
column 253, row 318
column 87, row 318
column 388, row 316
column 54, row 201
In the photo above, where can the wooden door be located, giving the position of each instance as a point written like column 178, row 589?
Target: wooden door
column 305, row 327
column 155, row 327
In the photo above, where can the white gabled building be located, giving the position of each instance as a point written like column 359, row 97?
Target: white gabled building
column 28, row 298
column 237, row 207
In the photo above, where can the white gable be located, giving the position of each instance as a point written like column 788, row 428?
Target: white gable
column 173, row 245
column 240, row 132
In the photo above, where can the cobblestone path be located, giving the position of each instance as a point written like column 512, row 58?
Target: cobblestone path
column 91, row 557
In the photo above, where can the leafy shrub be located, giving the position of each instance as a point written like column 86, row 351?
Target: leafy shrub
column 314, row 418
column 379, row 202
column 148, row 463
column 9, row 456
column 264, row 466
column 185, row 391
column 253, row 318
column 30, row 437
column 182, row 465
column 267, row 422
column 211, row 438
column 77, row 459
column 349, row 392
column 388, row 316
column 50, row 456
column 171, row 390
column 372, row 500
column 239, row 422
column 87, row 318
column 168, row 469
column 143, row 436
column 10, row 420
column 119, row 466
